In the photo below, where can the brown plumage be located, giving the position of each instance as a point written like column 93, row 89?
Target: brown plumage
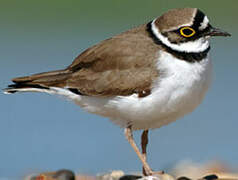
column 122, row 65
column 175, row 18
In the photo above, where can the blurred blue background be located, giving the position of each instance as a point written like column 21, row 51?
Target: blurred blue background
column 40, row 132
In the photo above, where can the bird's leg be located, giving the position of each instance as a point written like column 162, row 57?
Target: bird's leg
column 129, row 136
column 144, row 142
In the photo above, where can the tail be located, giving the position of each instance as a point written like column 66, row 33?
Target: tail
column 38, row 82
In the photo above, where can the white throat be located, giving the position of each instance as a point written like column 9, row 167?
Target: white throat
column 196, row 46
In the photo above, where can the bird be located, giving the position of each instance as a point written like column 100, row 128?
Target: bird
column 141, row 79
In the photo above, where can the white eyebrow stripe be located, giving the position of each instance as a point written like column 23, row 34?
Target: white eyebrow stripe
column 204, row 24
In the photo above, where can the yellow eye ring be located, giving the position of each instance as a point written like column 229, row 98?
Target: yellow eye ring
column 186, row 34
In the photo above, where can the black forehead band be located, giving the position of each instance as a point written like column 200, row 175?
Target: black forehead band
column 199, row 18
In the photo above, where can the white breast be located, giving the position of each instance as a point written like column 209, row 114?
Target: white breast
column 178, row 91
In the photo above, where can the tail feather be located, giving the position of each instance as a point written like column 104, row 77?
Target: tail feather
column 43, row 77
column 13, row 88
column 38, row 82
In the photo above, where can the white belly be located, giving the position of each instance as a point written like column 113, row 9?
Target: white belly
column 178, row 91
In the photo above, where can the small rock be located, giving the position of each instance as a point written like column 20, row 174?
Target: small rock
column 56, row 175
column 211, row 177
column 130, row 177
column 183, row 178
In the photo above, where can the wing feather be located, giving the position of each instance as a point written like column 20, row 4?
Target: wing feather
column 122, row 65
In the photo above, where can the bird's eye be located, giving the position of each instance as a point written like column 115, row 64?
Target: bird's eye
column 187, row 32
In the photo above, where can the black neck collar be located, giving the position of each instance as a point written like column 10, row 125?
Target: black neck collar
column 189, row 57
